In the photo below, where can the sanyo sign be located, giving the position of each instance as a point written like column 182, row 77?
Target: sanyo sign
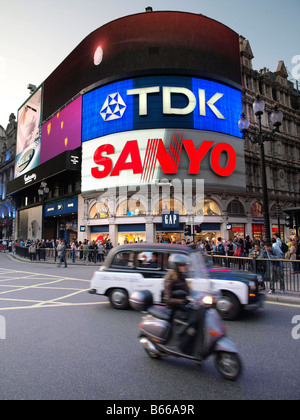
column 161, row 102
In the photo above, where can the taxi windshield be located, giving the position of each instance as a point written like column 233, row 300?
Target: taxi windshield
column 197, row 275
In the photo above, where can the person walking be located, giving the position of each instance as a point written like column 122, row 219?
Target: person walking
column 275, row 268
column 63, row 256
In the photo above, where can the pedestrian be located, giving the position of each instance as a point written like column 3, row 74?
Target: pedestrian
column 292, row 255
column 108, row 246
column 220, row 250
column 100, row 251
column 63, row 253
column 275, row 268
column 85, row 249
column 58, row 250
column 31, row 252
column 260, row 254
column 73, row 251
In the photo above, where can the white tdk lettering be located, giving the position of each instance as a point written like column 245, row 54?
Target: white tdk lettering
column 167, row 92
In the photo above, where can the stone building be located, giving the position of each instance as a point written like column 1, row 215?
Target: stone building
column 7, row 161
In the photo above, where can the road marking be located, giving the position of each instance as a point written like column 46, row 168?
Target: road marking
column 47, row 284
column 291, row 305
column 60, row 304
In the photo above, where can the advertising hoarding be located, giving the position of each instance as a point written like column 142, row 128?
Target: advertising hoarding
column 28, row 134
column 62, row 132
column 144, row 156
column 161, row 102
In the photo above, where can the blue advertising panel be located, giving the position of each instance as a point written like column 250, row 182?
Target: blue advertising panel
column 69, row 205
column 161, row 102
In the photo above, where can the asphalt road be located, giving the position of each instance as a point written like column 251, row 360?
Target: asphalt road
column 63, row 343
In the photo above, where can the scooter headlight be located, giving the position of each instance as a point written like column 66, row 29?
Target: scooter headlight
column 208, row 300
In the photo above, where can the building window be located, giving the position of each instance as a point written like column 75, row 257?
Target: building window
column 169, row 204
column 256, row 210
column 99, row 211
column 131, row 207
column 235, row 208
column 208, row 207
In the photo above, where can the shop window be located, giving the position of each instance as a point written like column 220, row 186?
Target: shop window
column 235, row 208
column 131, row 238
column 256, row 210
column 123, row 259
column 209, row 207
column 99, row 211
column 169, row 204
column 131, row 207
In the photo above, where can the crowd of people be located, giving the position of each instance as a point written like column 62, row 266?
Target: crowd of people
column 88, row 251
column 274, row 250
column 96, row 250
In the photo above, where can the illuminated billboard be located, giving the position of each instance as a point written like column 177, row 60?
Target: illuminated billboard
column 62, row 132
column 28, row 134
column 161, row 102
column 143, row 156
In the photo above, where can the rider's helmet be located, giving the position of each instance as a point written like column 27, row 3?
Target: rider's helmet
column 175, row 260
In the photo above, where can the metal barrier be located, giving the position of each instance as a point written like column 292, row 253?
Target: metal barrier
column 50, row 254
column 286, row 270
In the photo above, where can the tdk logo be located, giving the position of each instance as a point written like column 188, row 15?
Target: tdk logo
column 114, row 106
column 161, row 102
column 167, row 93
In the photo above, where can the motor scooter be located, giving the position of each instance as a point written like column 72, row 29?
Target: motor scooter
column 194, row 331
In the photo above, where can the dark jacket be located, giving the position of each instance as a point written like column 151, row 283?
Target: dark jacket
column 173, row 281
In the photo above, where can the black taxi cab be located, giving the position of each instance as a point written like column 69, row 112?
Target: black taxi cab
column 131, row 267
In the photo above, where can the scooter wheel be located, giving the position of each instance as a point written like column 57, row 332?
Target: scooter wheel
column 229, row 365
column 152, row 354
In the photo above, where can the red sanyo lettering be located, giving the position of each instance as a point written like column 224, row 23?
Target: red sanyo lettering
column 130, row 158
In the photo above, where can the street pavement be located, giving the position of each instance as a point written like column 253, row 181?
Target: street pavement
column 63, row 343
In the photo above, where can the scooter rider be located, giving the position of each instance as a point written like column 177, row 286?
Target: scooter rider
column 183, row 336
column 175, row 279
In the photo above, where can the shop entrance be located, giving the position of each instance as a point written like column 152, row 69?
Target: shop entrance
column 61, row 227
column 169, row 237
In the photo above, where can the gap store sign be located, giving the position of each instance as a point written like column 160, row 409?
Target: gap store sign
column 161, row 102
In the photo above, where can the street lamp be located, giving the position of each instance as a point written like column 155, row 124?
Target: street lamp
column 276, row 118
column 43, row 192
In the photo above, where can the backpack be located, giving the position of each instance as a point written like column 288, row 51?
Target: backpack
column 221, row 249
column 284, row 247
column 238, row 251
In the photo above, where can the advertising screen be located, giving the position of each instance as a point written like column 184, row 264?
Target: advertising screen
column 161, row 102
column 144, row 156
column 62, row 132
column 28, row 134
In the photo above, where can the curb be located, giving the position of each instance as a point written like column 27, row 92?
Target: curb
column 288, row 298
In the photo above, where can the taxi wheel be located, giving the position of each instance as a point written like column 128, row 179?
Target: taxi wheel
column 228, row 306
column 118, row 298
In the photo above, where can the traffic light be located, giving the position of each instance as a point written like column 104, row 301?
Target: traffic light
column 289, row 222
column 188, row 230
column 198, row 228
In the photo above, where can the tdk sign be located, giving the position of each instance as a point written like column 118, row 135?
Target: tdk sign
column 161, row 102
